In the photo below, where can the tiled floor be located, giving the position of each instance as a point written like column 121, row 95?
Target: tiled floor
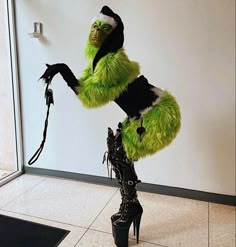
column 85, row 210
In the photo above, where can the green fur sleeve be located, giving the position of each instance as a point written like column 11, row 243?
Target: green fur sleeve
column 112, row 74
column 86, row 73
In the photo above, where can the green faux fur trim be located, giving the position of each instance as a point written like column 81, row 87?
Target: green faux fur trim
column 90, row 51
column 112, row 74
column 161, row 124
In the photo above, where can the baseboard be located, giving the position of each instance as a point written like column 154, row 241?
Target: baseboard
column 147, row 187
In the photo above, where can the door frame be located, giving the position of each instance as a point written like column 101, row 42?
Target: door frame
column 15, row 86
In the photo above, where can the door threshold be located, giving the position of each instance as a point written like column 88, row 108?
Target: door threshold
column 10, row 177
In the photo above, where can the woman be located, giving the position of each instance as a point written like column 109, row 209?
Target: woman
column 153, row 116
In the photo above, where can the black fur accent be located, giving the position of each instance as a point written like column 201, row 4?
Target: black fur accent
column 114, row 41
column 136, row 97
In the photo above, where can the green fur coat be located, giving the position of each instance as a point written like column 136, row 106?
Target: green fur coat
column 111, row 76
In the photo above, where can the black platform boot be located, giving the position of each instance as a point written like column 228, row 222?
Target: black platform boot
column 112, row 158
column 130, row 210
column 117, row 215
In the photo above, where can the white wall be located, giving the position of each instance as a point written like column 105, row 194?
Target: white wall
column 185, row 46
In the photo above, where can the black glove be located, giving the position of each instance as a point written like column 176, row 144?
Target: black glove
column 65, row 72
column 50, row 72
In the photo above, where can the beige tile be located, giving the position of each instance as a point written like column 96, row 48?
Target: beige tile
column 69, row 241
column 174, row 221
column 17, row 187
column 222, row 225
column 65, row 201
column 96, row 239
column 168, row 221
column 103, row 222
column 101, row 239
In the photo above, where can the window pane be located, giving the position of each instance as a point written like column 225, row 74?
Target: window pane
column 7, row 135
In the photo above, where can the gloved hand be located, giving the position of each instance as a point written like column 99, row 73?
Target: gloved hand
column 65, row 72
column 50, row 72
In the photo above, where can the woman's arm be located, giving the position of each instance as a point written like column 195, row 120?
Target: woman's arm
column 65, row 72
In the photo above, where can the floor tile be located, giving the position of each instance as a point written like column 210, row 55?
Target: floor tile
column 65, row 201
column 17, row 187
column 69, row 241
column 168, row 221
column 174, row 221
column 222, row 225
column 103, row 222
column 101, row 239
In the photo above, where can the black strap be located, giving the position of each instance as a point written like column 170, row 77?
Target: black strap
column 107, row 160
column 49, row 101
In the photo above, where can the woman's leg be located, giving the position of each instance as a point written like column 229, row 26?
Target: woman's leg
column 130, row 210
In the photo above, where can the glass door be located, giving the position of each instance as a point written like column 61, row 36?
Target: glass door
column 10, row 135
